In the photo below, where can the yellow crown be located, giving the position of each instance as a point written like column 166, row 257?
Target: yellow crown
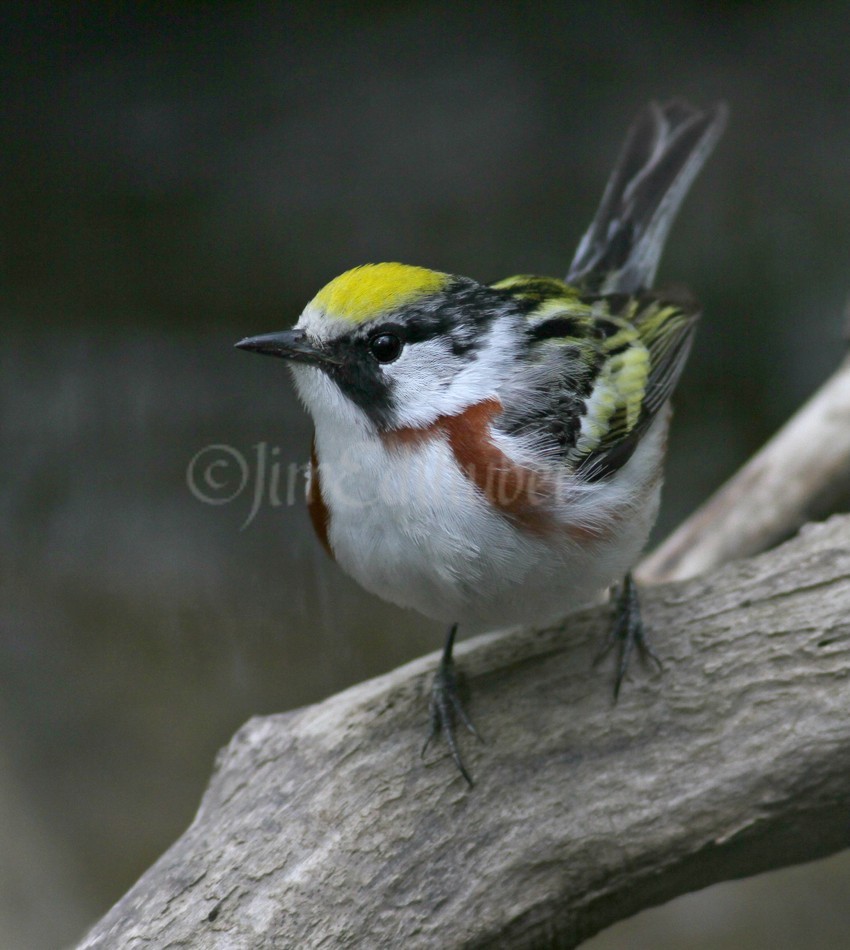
column 366, row 291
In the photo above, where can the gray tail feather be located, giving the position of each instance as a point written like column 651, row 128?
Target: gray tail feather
column 664, row 151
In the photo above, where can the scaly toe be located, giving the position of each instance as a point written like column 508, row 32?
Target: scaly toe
column 446, row 708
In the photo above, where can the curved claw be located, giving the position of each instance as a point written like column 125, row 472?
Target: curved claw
column 627, row 632
column 447, row 706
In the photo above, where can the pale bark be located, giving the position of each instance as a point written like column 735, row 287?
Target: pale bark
column 795, row 477
column 323, row 828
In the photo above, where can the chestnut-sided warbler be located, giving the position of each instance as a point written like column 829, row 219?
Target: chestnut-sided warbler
column 491, row 454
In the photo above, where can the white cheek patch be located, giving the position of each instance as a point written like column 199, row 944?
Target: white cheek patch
column 491, row 365
column 428, row 380
column 419, row 381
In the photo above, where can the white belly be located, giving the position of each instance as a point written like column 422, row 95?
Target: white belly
column 409, row 526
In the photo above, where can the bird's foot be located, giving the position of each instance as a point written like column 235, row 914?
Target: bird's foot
column 626, row 633
column 446, row 706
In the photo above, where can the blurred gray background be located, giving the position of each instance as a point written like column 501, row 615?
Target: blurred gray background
column 175, row 177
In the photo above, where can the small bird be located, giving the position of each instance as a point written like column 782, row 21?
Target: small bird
column 490, row 454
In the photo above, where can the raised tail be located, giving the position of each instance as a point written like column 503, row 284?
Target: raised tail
column 664, row 150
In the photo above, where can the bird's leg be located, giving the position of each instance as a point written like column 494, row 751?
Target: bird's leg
column 627, row 632
column 446, row 705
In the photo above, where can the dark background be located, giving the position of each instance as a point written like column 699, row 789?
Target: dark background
column 174, row 177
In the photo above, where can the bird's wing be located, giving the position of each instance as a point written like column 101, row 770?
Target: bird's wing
column 594, row 373
column 642, row 364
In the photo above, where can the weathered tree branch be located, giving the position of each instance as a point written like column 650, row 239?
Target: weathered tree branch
column 322, row 827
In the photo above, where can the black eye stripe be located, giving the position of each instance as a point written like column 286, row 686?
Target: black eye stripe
column 458, row 317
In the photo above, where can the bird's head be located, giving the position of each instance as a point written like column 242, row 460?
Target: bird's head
column 392, row 346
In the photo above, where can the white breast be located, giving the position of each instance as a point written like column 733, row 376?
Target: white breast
column 409, row 526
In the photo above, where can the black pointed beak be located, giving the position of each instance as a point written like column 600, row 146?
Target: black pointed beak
column 290, row 345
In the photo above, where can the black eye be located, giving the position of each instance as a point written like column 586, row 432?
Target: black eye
column 385, row 347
